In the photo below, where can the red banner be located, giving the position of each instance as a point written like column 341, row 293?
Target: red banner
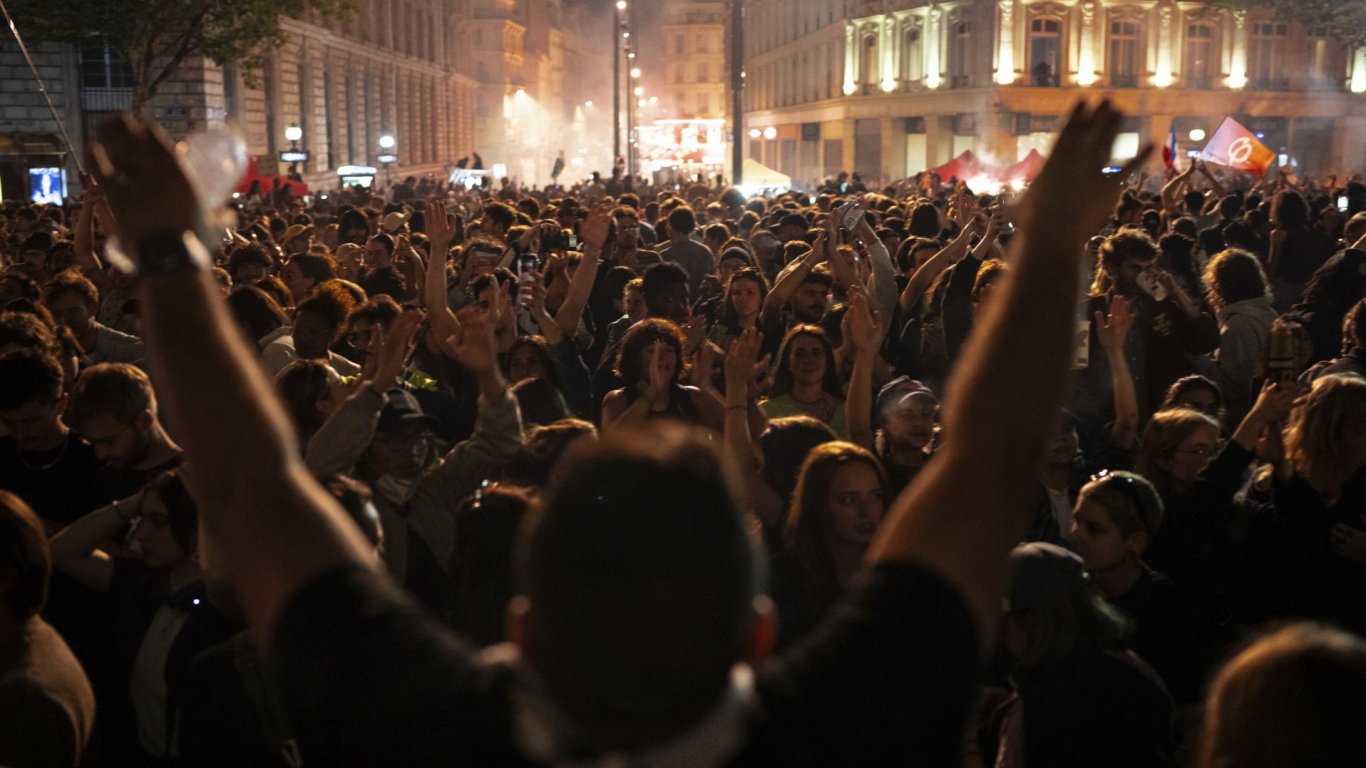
column 1236, row 147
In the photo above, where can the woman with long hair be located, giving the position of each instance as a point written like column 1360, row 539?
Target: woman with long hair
column 740, row 306
column 806, row 380
column 1197, row 479
column 1320, row 497
column 1296, row 251
column 650, row 363
column 838, row 503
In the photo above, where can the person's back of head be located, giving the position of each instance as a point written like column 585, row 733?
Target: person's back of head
column 1294, row 697
column 681, row 221
column 640, row 579
column 1234, row 275
column 25, row 564
column 486, row 527
column 120, row 390
column 29, row 376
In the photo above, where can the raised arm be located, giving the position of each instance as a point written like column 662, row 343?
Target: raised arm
column 83, row 241
column 76, row 548
column 925, row 274
column 274, row 527
column 741, row 366
column 788, row 281
column 1112, row 330
column 440, row 234
column 964, row 512
column 596, row 230
column 864, row 329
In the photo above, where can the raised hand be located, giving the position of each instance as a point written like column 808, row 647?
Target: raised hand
column 1113, row 330
column 145, row 180
column 1072, row 181
column 597, row 227
column 740, row 362
column 475, row 349
column 863, row 324
column 440, row 232
column 390, row 350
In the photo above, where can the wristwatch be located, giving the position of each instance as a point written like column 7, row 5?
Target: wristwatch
column 164, row 252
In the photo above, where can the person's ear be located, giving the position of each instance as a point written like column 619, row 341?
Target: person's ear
column 1136, row 543
column 62, row 401
column 518, row 609
column 145, row 420
column 763, row 633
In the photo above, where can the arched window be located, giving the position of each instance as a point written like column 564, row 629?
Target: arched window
column 868, row 64
column 1045, row 52
column 1125, row 54
column 1199, row 55
column 912, row 56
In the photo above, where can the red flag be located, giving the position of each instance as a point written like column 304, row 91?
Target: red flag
column 1235, row 146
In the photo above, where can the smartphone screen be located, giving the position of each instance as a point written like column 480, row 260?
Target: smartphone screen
column 1342, row 203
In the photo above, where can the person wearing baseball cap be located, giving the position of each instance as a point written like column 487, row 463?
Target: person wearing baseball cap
column 1080, row 697
column 907, row 415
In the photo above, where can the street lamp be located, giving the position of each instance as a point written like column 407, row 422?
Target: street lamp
column 388, row 155
column 293, row 133
column 770, row 133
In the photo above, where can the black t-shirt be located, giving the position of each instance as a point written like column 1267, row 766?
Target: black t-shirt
column 368, row 678
column 61, row 485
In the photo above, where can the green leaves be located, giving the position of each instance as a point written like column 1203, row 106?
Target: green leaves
column 1344, row 20
column 155, row 36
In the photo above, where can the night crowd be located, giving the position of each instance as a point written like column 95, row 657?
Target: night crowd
column 636, row 475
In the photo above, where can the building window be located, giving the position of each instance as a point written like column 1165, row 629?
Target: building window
column 702, row 72
column 1199, row 56
column 868, row 64
column 1124, row 54
column 1045, row 52
column 912, row 57
column 1266, row 56
column 960, row 73
column 103, row 67
column 703, row 104
column 702, row 44
column 678, row 73
column 678, row 43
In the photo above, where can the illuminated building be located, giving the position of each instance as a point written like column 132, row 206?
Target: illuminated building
column 886, row 89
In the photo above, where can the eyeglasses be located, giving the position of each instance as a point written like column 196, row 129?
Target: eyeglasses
column 1126, row 483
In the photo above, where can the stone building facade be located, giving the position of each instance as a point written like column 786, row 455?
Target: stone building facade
column 396, row 67
column 694, row 85
column 888, row 88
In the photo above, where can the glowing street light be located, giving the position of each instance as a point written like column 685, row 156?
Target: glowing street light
column 770, row 133
column 293, row 133
column 755, row 133
column 639, row 91
column 387, row 141
column 621, row 5
column 635, row 72
column 1197, row 134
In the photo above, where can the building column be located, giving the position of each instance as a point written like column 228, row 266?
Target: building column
column 1349, row 151
column 1005, row 48
column 1162, row 75
column 933, row 32
column 850, row 59
column 1237, row 71
column 938, row 140
column 1086, row 56
column 893, row 133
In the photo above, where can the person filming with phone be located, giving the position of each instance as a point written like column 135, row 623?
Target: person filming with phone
column 1168, row 323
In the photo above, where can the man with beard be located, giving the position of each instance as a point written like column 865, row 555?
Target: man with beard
column 114, row 410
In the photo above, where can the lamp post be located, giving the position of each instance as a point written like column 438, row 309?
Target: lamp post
column 292, row 134
column 616, row 80
column 388, row 156
column 737, row 91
